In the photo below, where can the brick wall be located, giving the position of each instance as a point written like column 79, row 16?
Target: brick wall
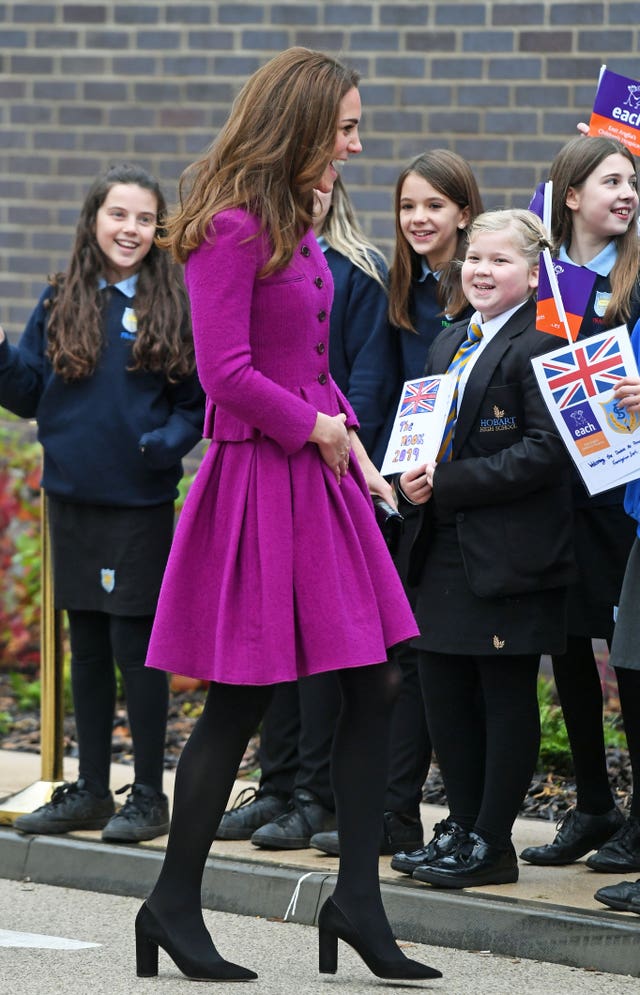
column 88, row 83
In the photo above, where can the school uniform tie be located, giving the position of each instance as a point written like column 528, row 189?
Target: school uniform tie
column 456, row 366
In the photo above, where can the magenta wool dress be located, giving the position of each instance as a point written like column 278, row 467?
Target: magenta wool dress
column 276, row 570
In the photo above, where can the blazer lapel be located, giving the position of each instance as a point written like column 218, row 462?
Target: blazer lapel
column 484, row 369
column 445, row 347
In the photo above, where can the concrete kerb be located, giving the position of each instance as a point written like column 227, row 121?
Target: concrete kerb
column 463, row 920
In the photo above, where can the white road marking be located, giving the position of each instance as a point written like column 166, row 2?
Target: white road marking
column 9, row 938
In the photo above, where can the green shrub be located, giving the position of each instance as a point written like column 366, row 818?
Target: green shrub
column 555, row 751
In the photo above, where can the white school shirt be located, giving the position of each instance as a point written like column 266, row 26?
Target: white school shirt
column 489, row 330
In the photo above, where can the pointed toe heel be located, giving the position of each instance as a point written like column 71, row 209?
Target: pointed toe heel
column 333, row 925
column 151, row 934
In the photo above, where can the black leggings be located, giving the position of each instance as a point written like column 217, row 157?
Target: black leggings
column 580, row 693
column 96, row 640
column 482, row 714
column 205, row 777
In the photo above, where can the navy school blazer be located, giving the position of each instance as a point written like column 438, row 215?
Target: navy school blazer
column 508, row 485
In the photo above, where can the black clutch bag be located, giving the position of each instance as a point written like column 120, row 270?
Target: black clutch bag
column 390, row 521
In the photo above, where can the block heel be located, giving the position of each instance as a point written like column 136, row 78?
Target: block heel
column 333, row 924
column 146, row 955
column 327, row 951
column 151, row 934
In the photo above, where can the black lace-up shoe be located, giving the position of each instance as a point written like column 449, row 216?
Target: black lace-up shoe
column 253, row 807
column 625, row 896
column 398, row 830
column 72, row 807
column 447, row 835
column 620, row 853
column 144, row 815
column 293, row 830
column 578, row 833
column 473, row 863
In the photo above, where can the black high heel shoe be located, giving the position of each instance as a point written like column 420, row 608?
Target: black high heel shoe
column 150, row 935
column 333, row 925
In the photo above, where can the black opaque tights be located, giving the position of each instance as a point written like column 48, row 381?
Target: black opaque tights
column 205, row 776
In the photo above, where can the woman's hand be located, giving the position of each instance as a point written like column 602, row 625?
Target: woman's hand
column 627, row 393
column 332, row 439
column 417, row 484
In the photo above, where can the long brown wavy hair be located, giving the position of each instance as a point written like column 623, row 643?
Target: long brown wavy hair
column 571, row 167
column 452, row 177
column 270, row 154
column 75, row 328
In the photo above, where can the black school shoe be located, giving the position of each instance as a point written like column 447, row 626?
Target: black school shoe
column 293, row 830
column 254, row 807
column 144, row 815
column 625, row 896
column 72, row 807
column 398, row 830
column 578, row 833
column 620, row 853
column 474, row 862
column 447, row 836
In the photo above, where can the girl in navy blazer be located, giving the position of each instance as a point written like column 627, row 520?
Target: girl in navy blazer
column 595, row 209
column 492, row 558
column 106, row 367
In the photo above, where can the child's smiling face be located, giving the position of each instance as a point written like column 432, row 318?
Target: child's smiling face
column 606, row 203
column 430, row 221
column 125, row 229
column 495, row 274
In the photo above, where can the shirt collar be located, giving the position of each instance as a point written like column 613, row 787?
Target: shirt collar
column 493, row 326
column 602, row 264
column 126, row 287
column 426, row 271
column 322, row 242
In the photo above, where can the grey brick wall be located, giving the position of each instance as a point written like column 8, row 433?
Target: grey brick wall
column 88, row 83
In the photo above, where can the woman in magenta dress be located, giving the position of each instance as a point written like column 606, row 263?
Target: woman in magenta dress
column 278, row 569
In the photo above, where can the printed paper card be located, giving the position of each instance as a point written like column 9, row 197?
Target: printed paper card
column 616, row 109
column 419, row 423
column 576, row 382
column 574, row 284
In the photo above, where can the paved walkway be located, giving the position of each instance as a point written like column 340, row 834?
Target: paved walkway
column 549, row 914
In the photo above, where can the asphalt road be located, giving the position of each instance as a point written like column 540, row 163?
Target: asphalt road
column 60, row 941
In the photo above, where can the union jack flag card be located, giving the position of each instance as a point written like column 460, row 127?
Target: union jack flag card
column 419, row 423
column 576, row 383
column 419, row 395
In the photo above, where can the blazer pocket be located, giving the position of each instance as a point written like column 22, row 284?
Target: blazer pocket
column 499, row 418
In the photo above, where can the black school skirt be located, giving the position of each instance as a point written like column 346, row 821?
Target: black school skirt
column 109, row 559
column 603, row 539
column 454, row 620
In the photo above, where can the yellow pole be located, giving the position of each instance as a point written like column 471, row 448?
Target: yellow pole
column 51, row 691
column 51, row 663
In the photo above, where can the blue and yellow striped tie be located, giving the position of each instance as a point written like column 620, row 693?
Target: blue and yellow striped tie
column 456, row 366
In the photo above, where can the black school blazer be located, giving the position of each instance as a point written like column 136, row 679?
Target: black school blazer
column 508, row 484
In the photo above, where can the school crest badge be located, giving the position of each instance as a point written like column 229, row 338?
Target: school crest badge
column 108, row 579
column 618, row 418
column 130, row 321
column 600, row 303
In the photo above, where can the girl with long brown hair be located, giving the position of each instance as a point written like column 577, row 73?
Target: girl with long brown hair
column 594, row 224
column 106, row 367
